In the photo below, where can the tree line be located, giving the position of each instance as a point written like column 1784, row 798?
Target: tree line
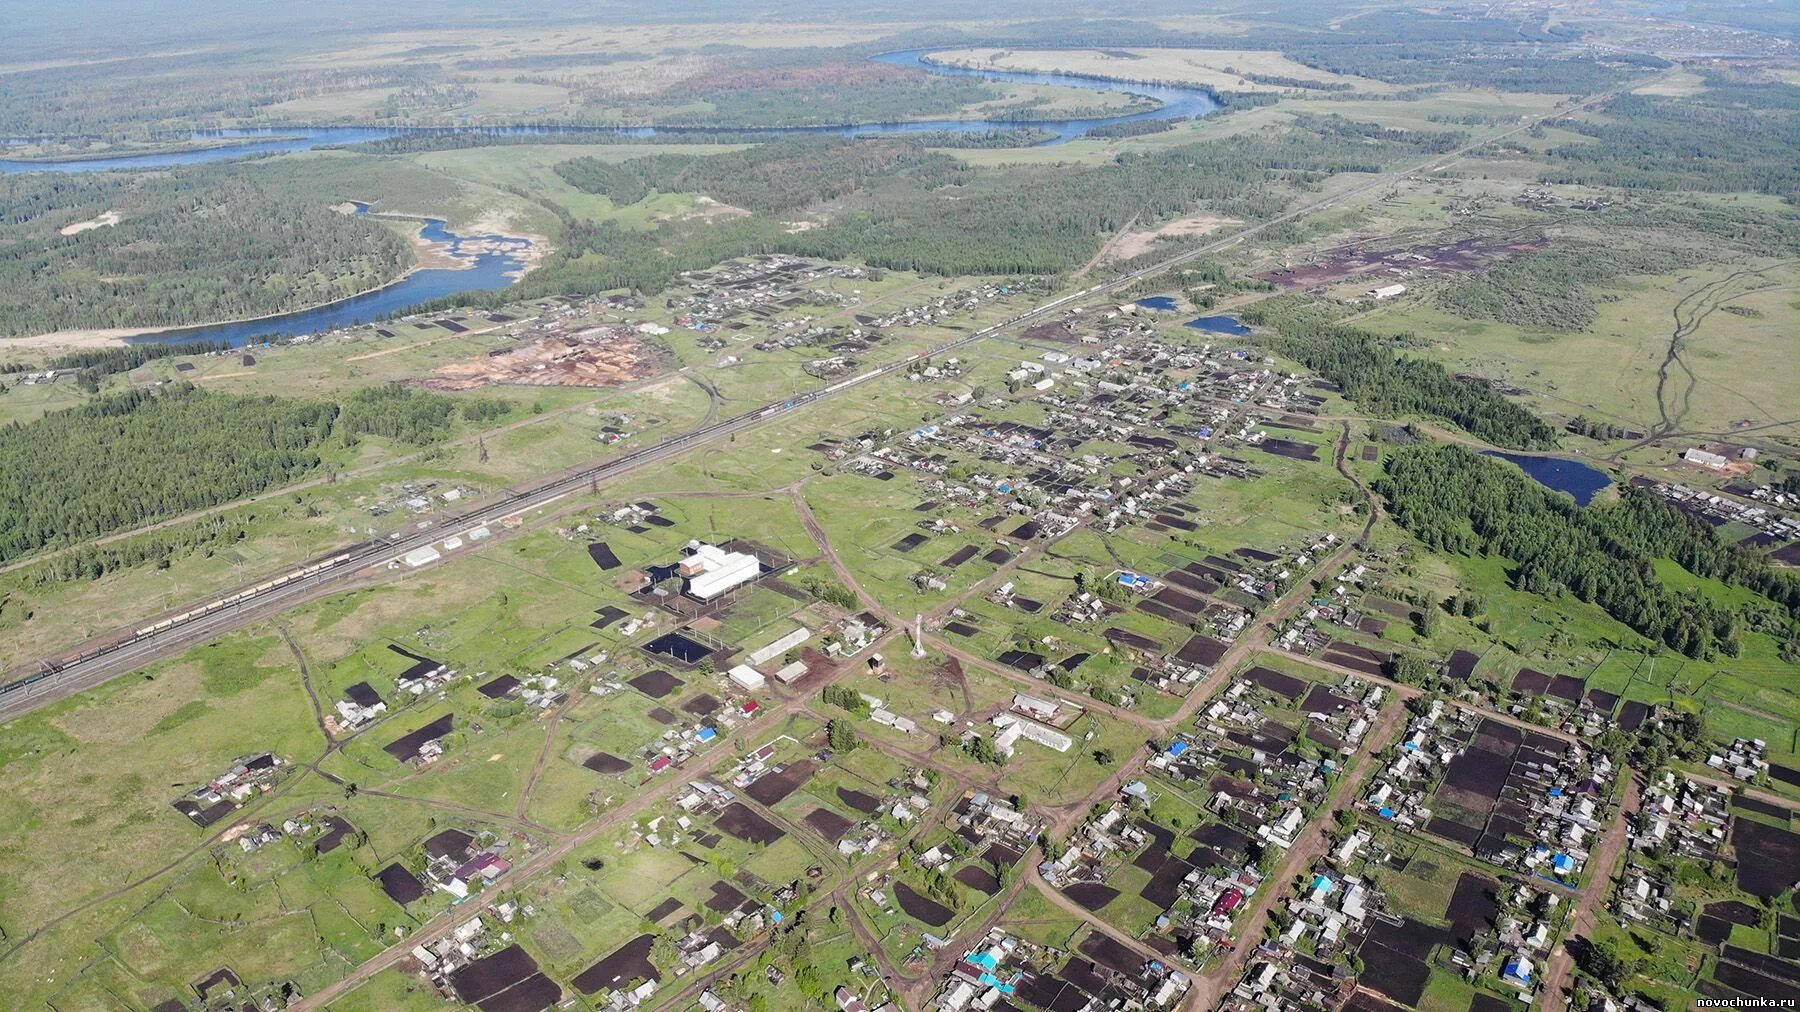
column 1370, row 371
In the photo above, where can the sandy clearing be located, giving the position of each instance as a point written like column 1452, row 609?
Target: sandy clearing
column 106, row 219
column 1137, row 243
column 92, row 338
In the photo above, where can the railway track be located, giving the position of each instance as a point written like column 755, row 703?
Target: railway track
column 113, row 654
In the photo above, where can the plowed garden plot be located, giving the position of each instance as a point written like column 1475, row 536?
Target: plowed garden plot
column 1712, row 930
column 603, row 762
column 772, row 787
column 725, row 898
column 533, row 994
column 1277, row 682
column 1091, row 895
column 1221, row 837
column 406, row 747
column 1165, row 612
column 1462, row 665
column 1197, row 584
column 401, row 885
column 1356, row 658
column 1179, row 601
column 828, row 823
column 702, row 705
column 1567, row 688
column 1530, row 682
column 1002, row 855
column 1111, row 953
column 500, row 687
column 960, row 556
column 492, row 974
column 922, row 908
column 656, row 684
column 1472, row 907
column 867, row 804
column 1202, row 650
column 1455, row 832
column 1766, row 857
column 978, row 879
column 628, row 962
column 746, row 825
column 1164, row 887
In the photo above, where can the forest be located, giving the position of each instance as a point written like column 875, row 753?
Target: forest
column 1369, row 371
column 407, row 415
column 186, row 248
column 1735, row 136
column 134, row 458
column 1550, row 290
column 1460, row 502
column 138, row 457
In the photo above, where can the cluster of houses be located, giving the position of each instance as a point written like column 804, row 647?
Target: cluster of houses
column 1684, row 817
column 983, row 820
column 1200, row 907
column 1743, row 759
column 1771, row 511
column 1327, row 915
column 1549, row 790
column 761, row 287
column 1007, row 972
column 245, row 778
column 1255, row 767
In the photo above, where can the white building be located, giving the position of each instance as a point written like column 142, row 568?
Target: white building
column 1387, row 292
column 746, row 677
column 711, row 570
column 780, row 646
column 1705, row 458
column 421, row 556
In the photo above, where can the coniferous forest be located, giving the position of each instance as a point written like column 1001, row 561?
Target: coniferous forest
column 1459, row 502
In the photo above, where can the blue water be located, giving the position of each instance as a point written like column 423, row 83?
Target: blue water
column 1219, row 325
column 1176, row 102
column 1560, row 473
column 490, row 271
column 1163, row 303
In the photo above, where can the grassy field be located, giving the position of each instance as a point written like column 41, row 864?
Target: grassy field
column 1609, row 370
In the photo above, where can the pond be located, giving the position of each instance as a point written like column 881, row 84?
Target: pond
column 1560, row 473
column 1160, row 303
column 1219, row 325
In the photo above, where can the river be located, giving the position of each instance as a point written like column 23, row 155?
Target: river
column 494, row 262
column 492, row 270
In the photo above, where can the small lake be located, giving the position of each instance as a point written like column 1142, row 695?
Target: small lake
column 494, row 260
column 1160, row 303
column 1560, row 473
column 1219, row 325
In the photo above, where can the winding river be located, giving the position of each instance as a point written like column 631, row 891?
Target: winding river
column 496, row 268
